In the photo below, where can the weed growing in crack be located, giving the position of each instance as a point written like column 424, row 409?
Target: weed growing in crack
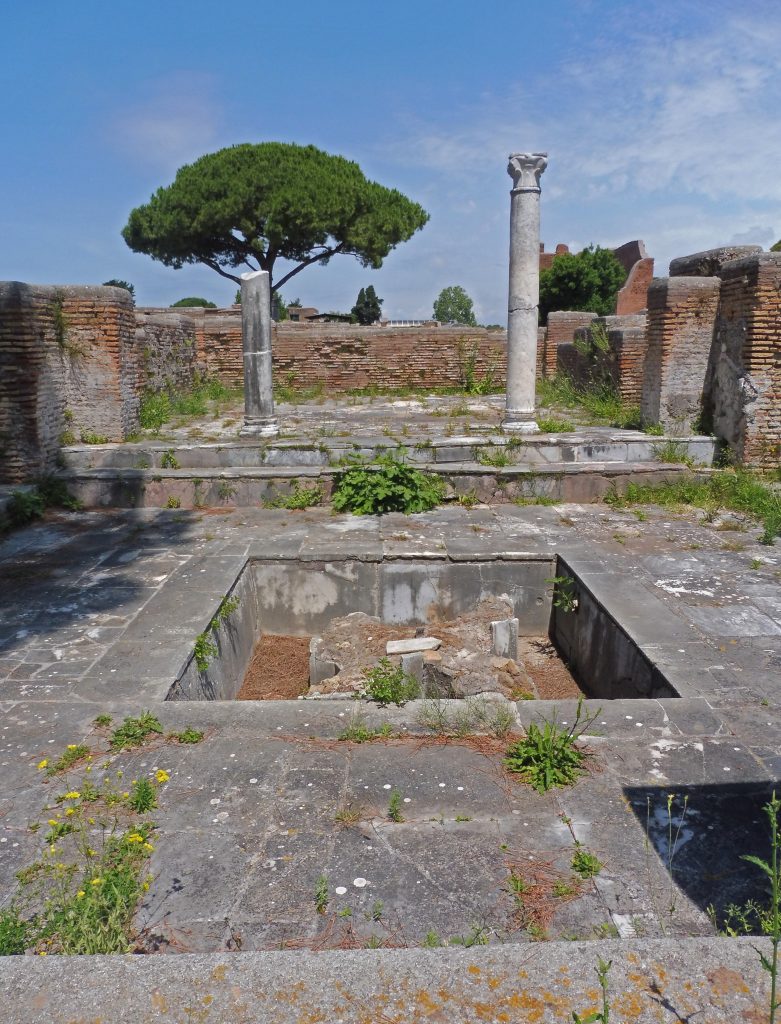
column 348, row 815
column 563, row 593
column 598, row 1016
column 188, row 735
column 432, row 940
column 585, row 864
column 71, row 756
column 394, row 807
column 476, row 936
column 550, row 758
column 321, row 894
column 133, row 732
column 359, row 732
column 204, row 650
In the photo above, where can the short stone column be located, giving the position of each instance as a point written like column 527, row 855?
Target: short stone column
column 524, row 298
column 259, row 418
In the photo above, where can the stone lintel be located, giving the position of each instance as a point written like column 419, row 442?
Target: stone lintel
column 710, row 261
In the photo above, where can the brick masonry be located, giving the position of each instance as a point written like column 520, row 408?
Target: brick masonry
column 681, row 317
column 622, row 362
column 66, row 365
column 633, row 297
column 743, row 382
column 561, row 330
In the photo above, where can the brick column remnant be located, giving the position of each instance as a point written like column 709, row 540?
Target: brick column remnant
column 67, row 368
column 259, row 418
column 681, row 319
column 524, row 294
column 743, row 386
column 633, row 297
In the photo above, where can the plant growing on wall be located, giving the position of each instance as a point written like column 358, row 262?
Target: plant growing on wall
column 250, row 205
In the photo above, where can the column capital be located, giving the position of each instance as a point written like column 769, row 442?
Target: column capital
column 525, row 169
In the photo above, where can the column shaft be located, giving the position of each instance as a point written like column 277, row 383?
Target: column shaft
column 259, row 418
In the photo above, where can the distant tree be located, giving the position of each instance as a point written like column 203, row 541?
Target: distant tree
column 367, row 306
column 454, row 306
column 587, row 280
column 250, row 205
column 776, row 247
column 193, row 300
column 114, row 283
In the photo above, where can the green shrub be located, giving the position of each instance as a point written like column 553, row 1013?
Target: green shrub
column 387, row 683
column 14, row 933
column 154, row 409
column 90, row 437
column 193, row 300
column 24, row 506
column 299, row 498
column 388, row 485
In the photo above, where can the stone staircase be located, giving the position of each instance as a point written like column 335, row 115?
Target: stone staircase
column 581, row 466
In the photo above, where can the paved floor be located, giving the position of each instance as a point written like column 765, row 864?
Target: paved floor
column 97, row 613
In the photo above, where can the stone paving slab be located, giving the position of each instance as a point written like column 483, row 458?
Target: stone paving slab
column 652, row 982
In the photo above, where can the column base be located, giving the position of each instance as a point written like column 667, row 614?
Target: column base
column 517, row 425
column 266, row 426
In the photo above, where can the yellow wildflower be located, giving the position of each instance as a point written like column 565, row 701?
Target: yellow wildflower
column 80, row 894
column 134, row 837
column 149, row 847
column 70, row 811
column 73, row 795
column 72, row 746
column 89, row 768
column 126, row 795
column 96, row 881
column 90, row 852
column 43, row 764
column 162, row 776
column 42, row 953
column 145, row 886
column 52, row 821
column 91, row 821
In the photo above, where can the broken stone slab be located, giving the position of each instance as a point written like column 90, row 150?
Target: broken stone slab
column 418, row 643
column 319, row 668
column 504, row 638
column 412, row 664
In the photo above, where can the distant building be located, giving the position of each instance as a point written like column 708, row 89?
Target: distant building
column 301, row 314
column 409, row 323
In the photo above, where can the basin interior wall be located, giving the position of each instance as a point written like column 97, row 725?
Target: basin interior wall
column 300, row 598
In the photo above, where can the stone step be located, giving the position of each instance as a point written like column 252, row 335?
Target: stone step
column 252, row 486
column 582, row 446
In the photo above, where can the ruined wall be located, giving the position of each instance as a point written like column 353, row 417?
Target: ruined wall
column 620, row 362
column 681, row 317
column 743, row 383
column 561, row 330
column 166, row 349
column 343, row 356
column 67, row 365
column 633, row 297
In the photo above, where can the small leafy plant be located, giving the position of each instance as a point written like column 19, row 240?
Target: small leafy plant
column 169, row 460
column 133, row 732
column 387, row 683
column 585, row 864
column 550, row 758
column 387, row 485
column 72, row 755
column 188, row 735
column 321, row 894
column 359, row 732
column 597, row 1016
column 563, row 593
column 394, row 807
column 773, row 872
column 204, row 650
column 143, row 796
column 299, row 498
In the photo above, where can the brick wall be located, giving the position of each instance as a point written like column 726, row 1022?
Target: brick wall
column 623, row 361
column 633, row 297
column 560, row 331
column 343, row 356
column 166, row 349
column 66, row 364
column 681, row 317
column 744, row 371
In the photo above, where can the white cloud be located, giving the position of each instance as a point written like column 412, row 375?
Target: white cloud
column 174, row 122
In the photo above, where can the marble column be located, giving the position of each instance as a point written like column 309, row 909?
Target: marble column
column 259, row 418
column 522, row 310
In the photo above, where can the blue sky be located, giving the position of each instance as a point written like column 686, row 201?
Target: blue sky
column 661, row 121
